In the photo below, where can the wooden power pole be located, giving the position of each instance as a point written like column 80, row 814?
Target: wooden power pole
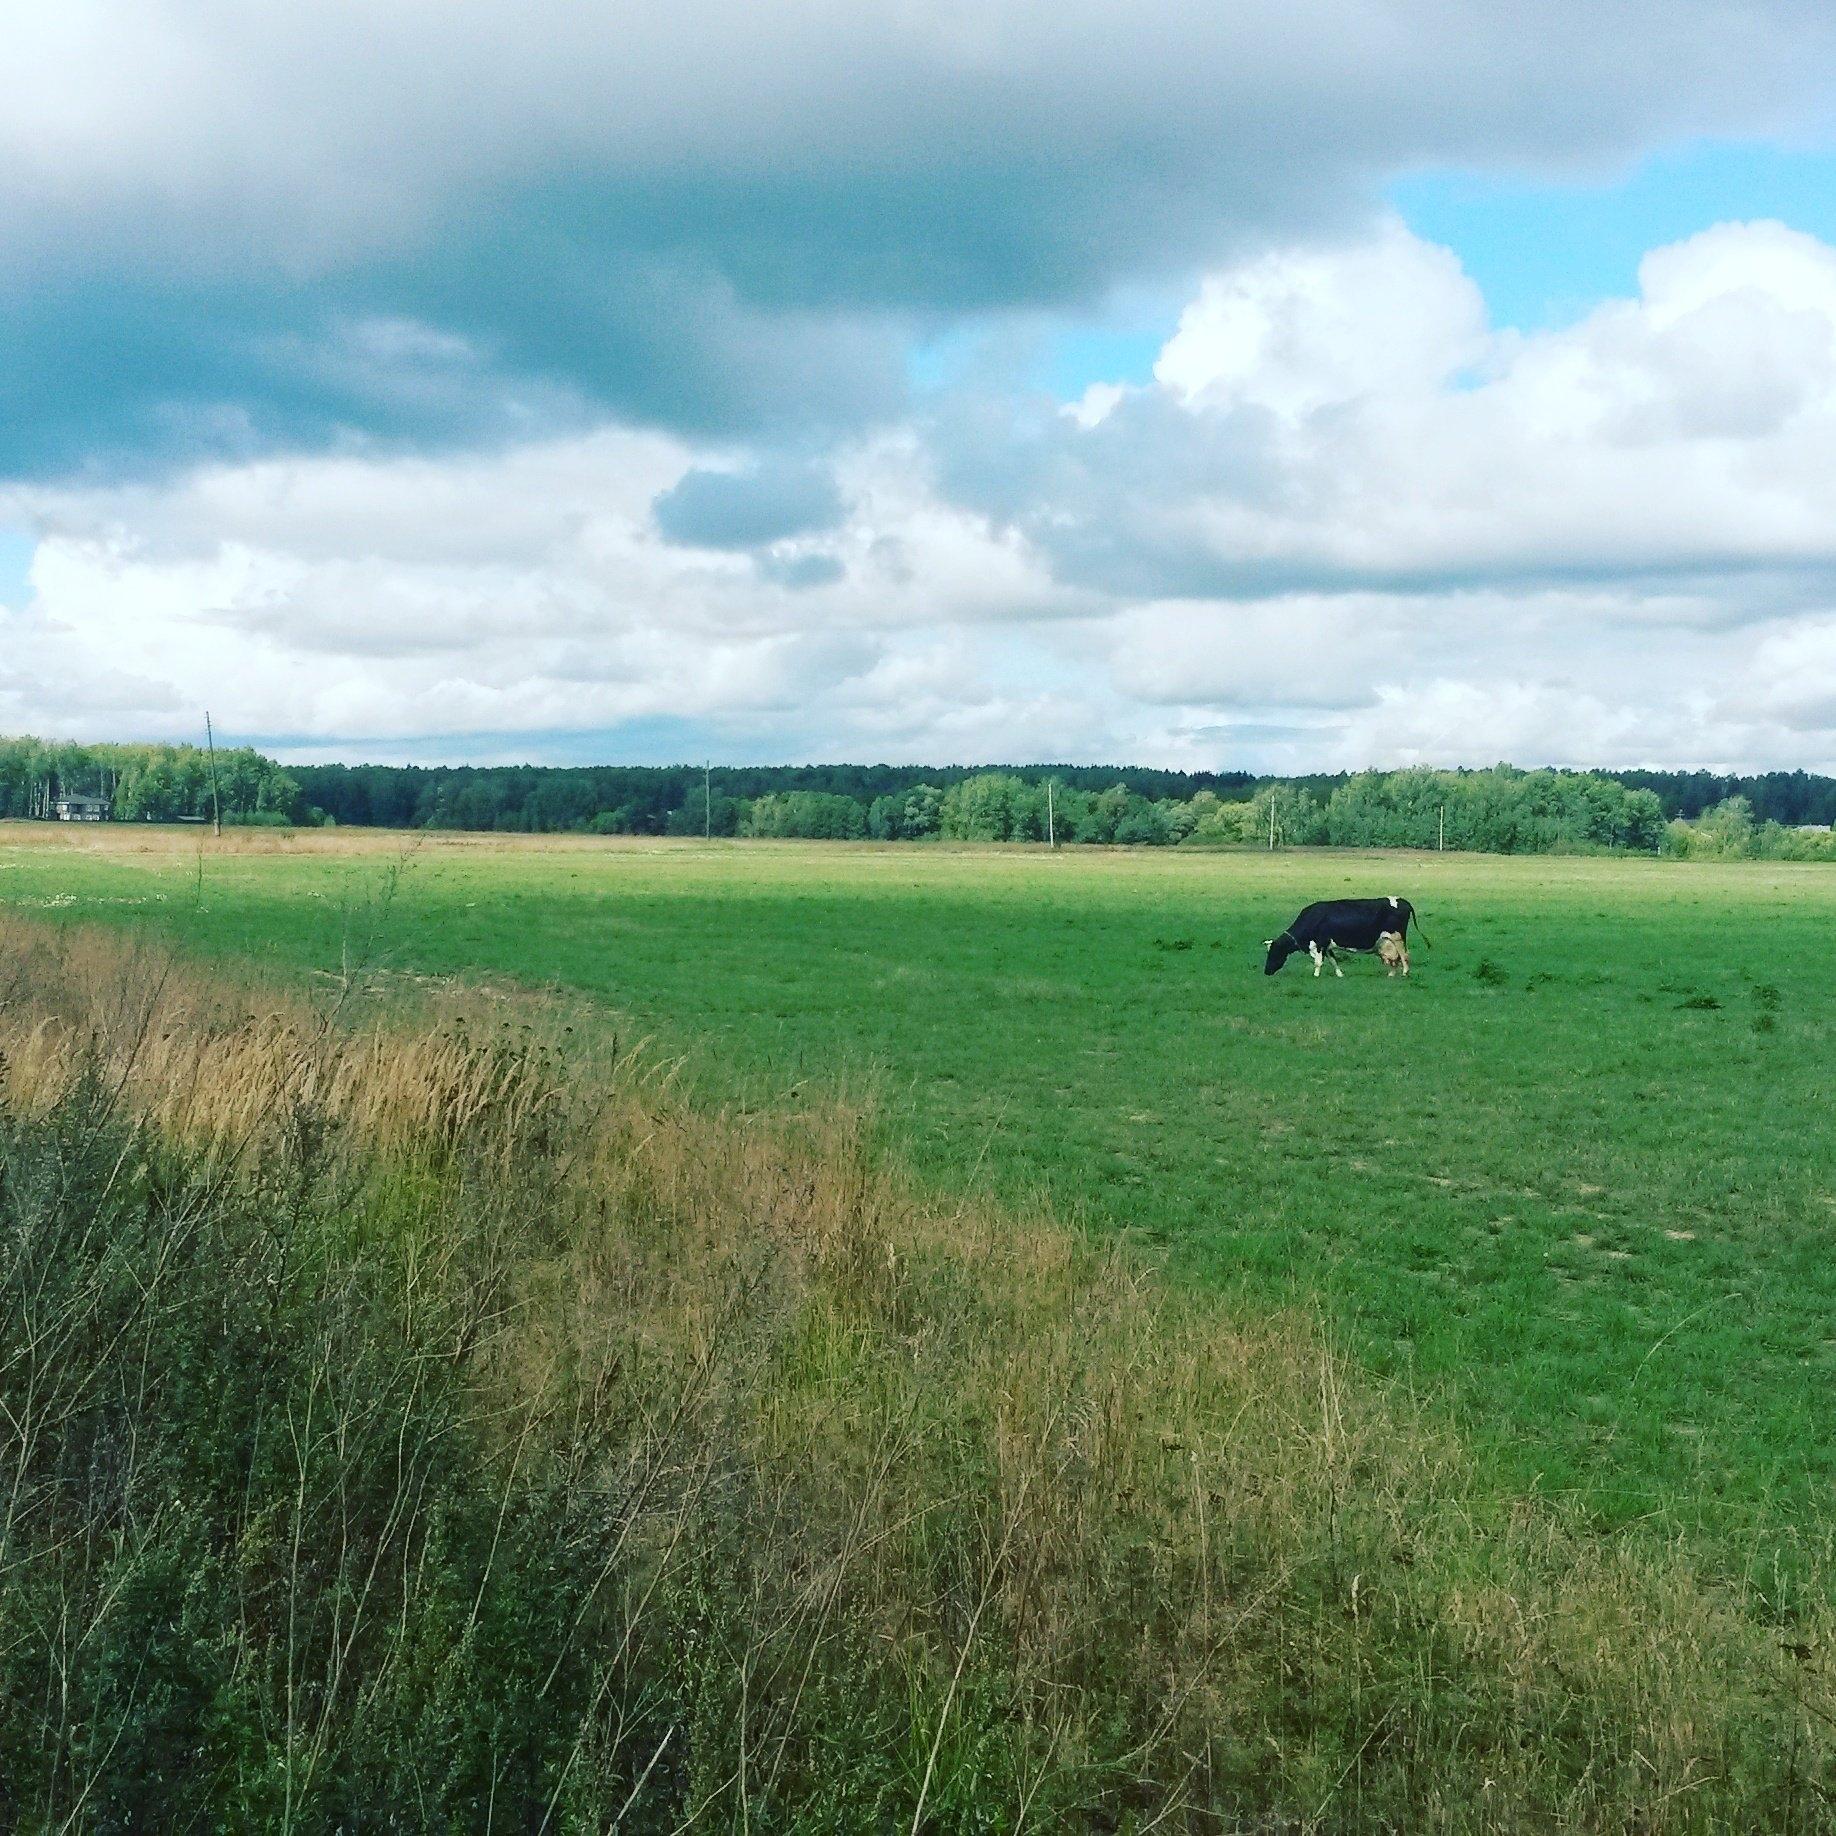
column 216, row 805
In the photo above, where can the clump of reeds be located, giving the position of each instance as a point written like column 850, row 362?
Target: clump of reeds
column 543, row 1449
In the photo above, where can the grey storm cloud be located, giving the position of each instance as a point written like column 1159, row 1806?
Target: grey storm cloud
column 747, row 509
column 1097, row 500
column 239, row 229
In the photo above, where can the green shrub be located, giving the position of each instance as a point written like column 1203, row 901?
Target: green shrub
column 262, row 1563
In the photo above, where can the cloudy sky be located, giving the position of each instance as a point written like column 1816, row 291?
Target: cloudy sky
column 1288, row 384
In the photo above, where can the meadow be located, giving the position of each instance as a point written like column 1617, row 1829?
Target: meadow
column 438, row 1417
column 1570, row 1186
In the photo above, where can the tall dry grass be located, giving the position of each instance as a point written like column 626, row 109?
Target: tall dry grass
column 863, row 1513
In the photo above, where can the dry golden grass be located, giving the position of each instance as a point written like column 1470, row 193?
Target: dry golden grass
column 181, row 842
column 946, row 1518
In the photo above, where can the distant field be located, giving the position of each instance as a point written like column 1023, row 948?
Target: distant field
column 1577, row 1174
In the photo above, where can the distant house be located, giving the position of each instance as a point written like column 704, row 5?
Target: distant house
column 80, row 809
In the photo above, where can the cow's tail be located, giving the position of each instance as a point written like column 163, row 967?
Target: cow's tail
column 1419, row 932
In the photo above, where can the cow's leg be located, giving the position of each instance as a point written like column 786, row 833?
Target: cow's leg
column 1332, row 950
column 1313, row 950
column 1405, row 959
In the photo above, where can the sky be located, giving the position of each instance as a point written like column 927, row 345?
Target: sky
column 1298, row 385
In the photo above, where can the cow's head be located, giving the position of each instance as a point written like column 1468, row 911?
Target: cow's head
column 1280, row 949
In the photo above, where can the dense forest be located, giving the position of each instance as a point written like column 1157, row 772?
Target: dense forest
column 1496, row 810
column 659, row 800
column 1499, row 810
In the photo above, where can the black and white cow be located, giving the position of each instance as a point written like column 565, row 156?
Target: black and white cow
column 1332, row 925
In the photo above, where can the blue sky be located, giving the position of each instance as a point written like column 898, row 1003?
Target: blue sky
column 1061, row 356
column 17, row 547
column 1545, row 252
column 547, row 383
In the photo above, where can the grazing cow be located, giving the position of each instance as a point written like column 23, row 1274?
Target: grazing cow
column 1334, row 925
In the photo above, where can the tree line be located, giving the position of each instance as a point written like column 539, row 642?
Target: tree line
column 148, row 782
column 1500, row 809
column 671, row 799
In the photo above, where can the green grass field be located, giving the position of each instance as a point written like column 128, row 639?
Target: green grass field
column 1575, row 1175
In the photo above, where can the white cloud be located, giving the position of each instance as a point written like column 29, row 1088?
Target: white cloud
column 1296, row 332
column 1346, row 524
column 530, row 592
column 1788, row 681
column 1342, row 417
column 1351, row 507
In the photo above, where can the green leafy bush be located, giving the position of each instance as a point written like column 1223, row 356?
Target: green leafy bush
column 263, row 1559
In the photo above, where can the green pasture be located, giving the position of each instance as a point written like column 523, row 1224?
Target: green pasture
column 1576, row 1175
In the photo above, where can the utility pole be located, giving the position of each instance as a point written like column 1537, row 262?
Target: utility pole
column 1443, row 828
column 1271, row 822
column 1051, row 823
column 707, row 801
column 216, row 806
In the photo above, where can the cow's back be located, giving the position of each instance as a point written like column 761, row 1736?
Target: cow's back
column 1354, row 924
